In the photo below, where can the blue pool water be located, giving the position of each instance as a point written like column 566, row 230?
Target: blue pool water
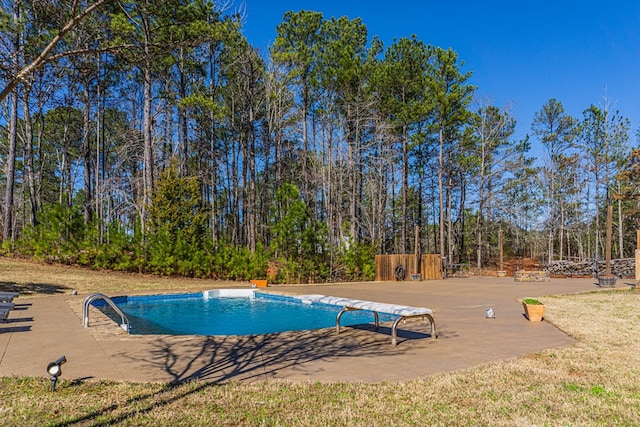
column 242, row 313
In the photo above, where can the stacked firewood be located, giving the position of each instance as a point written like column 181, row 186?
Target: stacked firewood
column 619, row 268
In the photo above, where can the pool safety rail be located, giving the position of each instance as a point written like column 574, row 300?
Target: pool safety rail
column 94, row 297
column 404, row 312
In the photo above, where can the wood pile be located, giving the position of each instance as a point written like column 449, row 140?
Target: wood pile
column 619, row 268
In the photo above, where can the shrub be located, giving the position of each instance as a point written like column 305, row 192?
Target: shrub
column 358, row 260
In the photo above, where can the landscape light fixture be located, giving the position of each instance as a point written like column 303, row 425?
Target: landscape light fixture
column 54, row 369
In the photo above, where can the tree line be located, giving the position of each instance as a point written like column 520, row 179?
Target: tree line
column 151, row 136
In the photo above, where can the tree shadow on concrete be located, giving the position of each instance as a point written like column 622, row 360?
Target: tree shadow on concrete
column 30, row 289
column 223, row 358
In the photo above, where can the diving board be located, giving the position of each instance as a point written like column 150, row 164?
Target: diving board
column 403, row 312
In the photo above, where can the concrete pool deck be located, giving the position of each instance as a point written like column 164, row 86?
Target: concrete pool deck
column 42, row 329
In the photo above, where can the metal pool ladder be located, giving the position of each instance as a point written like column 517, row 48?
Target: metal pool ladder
column 93, row 297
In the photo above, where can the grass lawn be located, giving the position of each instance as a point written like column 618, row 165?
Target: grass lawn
column 593, row 382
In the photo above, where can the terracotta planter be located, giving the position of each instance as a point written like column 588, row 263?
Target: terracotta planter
column 534, row 312
column 258, row 283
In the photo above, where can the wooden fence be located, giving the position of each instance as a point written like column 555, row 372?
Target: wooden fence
column 390, row 267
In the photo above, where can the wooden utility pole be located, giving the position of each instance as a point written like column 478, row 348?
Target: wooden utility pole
column 637, row 258
column 607, row 272
column 501, row 252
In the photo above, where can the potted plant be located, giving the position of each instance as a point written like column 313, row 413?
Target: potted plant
column 533, row 309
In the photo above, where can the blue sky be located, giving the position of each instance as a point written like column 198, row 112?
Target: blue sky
column 521, row 53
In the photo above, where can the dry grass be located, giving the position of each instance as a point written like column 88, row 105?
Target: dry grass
column 593, row 382
column 40, row 279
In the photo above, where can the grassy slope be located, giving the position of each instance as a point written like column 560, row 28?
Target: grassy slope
column 594, row 382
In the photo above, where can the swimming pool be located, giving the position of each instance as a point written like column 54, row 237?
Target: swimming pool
column 228, row 312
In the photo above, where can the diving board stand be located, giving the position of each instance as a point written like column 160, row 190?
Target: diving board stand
column 403, row 312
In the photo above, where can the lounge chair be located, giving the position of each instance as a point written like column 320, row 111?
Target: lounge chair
column 5, row 308
column 8, row 296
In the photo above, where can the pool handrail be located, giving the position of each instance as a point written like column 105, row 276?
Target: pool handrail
column 96, row 296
